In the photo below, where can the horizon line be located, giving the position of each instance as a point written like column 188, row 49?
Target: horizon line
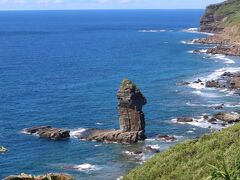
column 92, row 9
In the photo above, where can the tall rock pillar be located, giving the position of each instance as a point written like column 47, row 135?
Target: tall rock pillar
column 130, row 102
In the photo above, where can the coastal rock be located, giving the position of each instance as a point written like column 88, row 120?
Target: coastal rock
column 131, row 118
column 184, row 119
column 130, row 102
column 154, row 150
column 213, row 83
column 48, row 132
column 219, row 106
column 2, row 149
column 227, row 117
column 234, row 82
column 51, row 176
column 166, row 138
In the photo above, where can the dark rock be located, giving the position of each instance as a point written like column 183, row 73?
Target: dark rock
column 166, row 138
column 205, row 117
column 51, row 176
column 149, row 148
column 198, row 81
column 213, row 83
column 212, row 120
column 184, row 119
column 227, row 117
column 137, row 152
column 49, row 132
column 219, row 106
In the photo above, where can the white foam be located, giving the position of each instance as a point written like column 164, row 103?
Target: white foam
column 131, row 153
column 198, row 86
column 85, row 167
column 154, row 30
column 224, row 58
column 190, row 42
column 77, row 133
column 155, row 146
column 99, row 123
column 196, row 30
column 149, row 139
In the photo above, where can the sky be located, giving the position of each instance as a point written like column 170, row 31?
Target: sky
column 103, row 4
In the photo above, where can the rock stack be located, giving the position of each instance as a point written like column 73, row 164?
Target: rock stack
column 130, row 103
column 131, row 118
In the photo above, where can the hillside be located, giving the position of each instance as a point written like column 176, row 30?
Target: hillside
column 195, row 159
column 224, row 19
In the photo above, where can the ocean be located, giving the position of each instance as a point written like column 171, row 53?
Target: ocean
column 64, row 68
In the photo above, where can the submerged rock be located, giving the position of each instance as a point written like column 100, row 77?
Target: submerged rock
column 166, row 138
column 48, row 132
column 2, row 149
column 219, row 106
column 51, row 176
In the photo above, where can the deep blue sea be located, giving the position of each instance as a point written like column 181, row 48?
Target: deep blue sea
column 63, row 68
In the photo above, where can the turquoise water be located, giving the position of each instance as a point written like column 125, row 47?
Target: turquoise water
column 63, row 68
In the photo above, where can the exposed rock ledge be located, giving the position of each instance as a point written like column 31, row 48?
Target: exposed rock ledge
column 48, row 132
column 131, row 118
column 2, row 149
column 43, row 177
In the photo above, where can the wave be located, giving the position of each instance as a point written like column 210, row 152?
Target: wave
column 154, row 30
column 226, row 59
column 196, row 30
column 77, row 133
column 199, row 121
column 189, row 42
column 98, row 123
column 85, row 167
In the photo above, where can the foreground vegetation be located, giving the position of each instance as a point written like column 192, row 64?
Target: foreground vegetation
column 214, row 156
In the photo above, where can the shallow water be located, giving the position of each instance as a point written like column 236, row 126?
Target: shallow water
column 63, row 68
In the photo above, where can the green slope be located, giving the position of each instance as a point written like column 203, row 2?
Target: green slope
column 194, row 159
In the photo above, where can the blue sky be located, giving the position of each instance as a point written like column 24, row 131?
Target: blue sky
column 103, row 4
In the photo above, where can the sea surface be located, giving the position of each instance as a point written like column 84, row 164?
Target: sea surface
column 63, row 69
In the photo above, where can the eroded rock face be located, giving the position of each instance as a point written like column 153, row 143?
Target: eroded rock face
column 48, row 132
column 130, row 102
column 50, row 176
column 211, row 22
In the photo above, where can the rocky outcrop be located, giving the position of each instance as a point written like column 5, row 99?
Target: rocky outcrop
column 130, row 103
column 50, row 176
column 166, row 138
column 227, row 117
column 131, row 118
column 48, row 132
column 212, row 22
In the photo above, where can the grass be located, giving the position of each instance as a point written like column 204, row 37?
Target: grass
column 195, row 160
column 127, row 82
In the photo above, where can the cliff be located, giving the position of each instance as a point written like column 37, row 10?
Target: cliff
column 223, row 19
